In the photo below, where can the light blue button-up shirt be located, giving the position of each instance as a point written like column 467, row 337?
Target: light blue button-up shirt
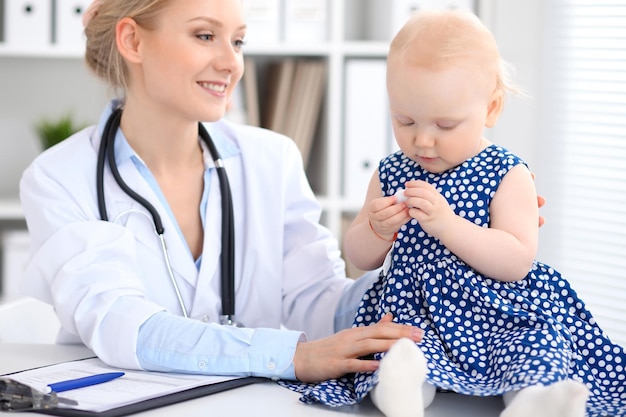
column 200, row 347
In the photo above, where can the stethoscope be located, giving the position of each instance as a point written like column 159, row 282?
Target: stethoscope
column 227, row 256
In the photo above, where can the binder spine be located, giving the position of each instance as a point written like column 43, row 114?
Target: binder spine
column 264, row 20
column 28, row 24
column 68, row 26
column 53, row 21
column 1, row 21
column 305, row 20
column 367, row 125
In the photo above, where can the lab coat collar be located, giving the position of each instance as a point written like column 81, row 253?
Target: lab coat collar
column 180, row 256
column 225, row 145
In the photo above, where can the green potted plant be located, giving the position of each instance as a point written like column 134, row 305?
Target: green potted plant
column 52, row 132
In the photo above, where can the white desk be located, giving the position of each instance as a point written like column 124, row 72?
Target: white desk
column 260, row 400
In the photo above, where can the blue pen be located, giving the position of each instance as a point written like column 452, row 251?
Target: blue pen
column 83, row 382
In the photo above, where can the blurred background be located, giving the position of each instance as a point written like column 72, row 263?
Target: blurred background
column 320, row 64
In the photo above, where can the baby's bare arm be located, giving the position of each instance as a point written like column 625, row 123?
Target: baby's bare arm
column 506, row 249
column 371, row 234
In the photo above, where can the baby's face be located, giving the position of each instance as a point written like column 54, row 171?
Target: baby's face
column 438, row 113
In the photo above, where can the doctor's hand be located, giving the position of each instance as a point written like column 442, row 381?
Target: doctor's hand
column 339, row 354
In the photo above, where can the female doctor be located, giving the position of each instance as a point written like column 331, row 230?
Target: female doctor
column 154, row 301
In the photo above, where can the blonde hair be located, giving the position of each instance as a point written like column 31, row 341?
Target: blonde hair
column 435, row 38
column 101, row 54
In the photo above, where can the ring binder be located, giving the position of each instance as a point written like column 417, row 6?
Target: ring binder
column 28, row 24
column 68, row 26
column 15, row 396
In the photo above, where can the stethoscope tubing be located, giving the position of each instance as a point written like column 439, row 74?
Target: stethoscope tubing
column 227, row 256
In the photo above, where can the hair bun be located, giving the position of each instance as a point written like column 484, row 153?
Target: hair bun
column 91, row 11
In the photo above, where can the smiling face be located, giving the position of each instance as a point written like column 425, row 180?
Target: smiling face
column 190, row 60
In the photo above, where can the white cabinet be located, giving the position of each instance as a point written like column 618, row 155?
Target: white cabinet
column 346, row 35
column 15, row 254
column 27, row 24
column 69, row 24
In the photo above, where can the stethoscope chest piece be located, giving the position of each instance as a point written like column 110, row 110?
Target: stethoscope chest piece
column 229, row 320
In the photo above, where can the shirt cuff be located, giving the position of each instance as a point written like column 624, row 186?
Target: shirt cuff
column 272, row 351
column 168, row 343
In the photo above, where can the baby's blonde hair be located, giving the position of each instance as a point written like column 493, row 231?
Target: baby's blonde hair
column 436, row 38
column 101, row 54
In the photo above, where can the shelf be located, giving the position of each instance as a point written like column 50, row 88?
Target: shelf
column 289, row 49
column 365, row 49
column 47, row 52
column 11, row 216
column 349, row 49
column 11, row 209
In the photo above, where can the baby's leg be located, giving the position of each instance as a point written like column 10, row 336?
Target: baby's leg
column 401, row 391
column 562, row 399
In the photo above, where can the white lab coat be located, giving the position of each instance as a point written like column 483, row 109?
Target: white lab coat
column 105, row 279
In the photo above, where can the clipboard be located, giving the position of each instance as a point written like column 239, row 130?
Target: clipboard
column 156, row 402
column 141, row 391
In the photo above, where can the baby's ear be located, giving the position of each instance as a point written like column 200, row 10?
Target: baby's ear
column 494, row 109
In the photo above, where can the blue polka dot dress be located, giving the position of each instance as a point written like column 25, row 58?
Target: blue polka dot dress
column 481, row 336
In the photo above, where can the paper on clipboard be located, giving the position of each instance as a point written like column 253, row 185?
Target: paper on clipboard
column 133, row 388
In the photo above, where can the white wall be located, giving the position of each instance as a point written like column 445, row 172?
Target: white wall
column 36, row 88
column 520, row 29
column 32, row 89
column 517, row 28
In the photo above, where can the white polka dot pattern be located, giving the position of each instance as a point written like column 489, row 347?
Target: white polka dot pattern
column 482, row 336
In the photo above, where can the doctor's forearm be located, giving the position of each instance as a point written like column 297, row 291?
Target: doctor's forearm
column 173, row 343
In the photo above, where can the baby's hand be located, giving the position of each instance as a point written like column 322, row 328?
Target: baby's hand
column 426, row 205
column 386, row 216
